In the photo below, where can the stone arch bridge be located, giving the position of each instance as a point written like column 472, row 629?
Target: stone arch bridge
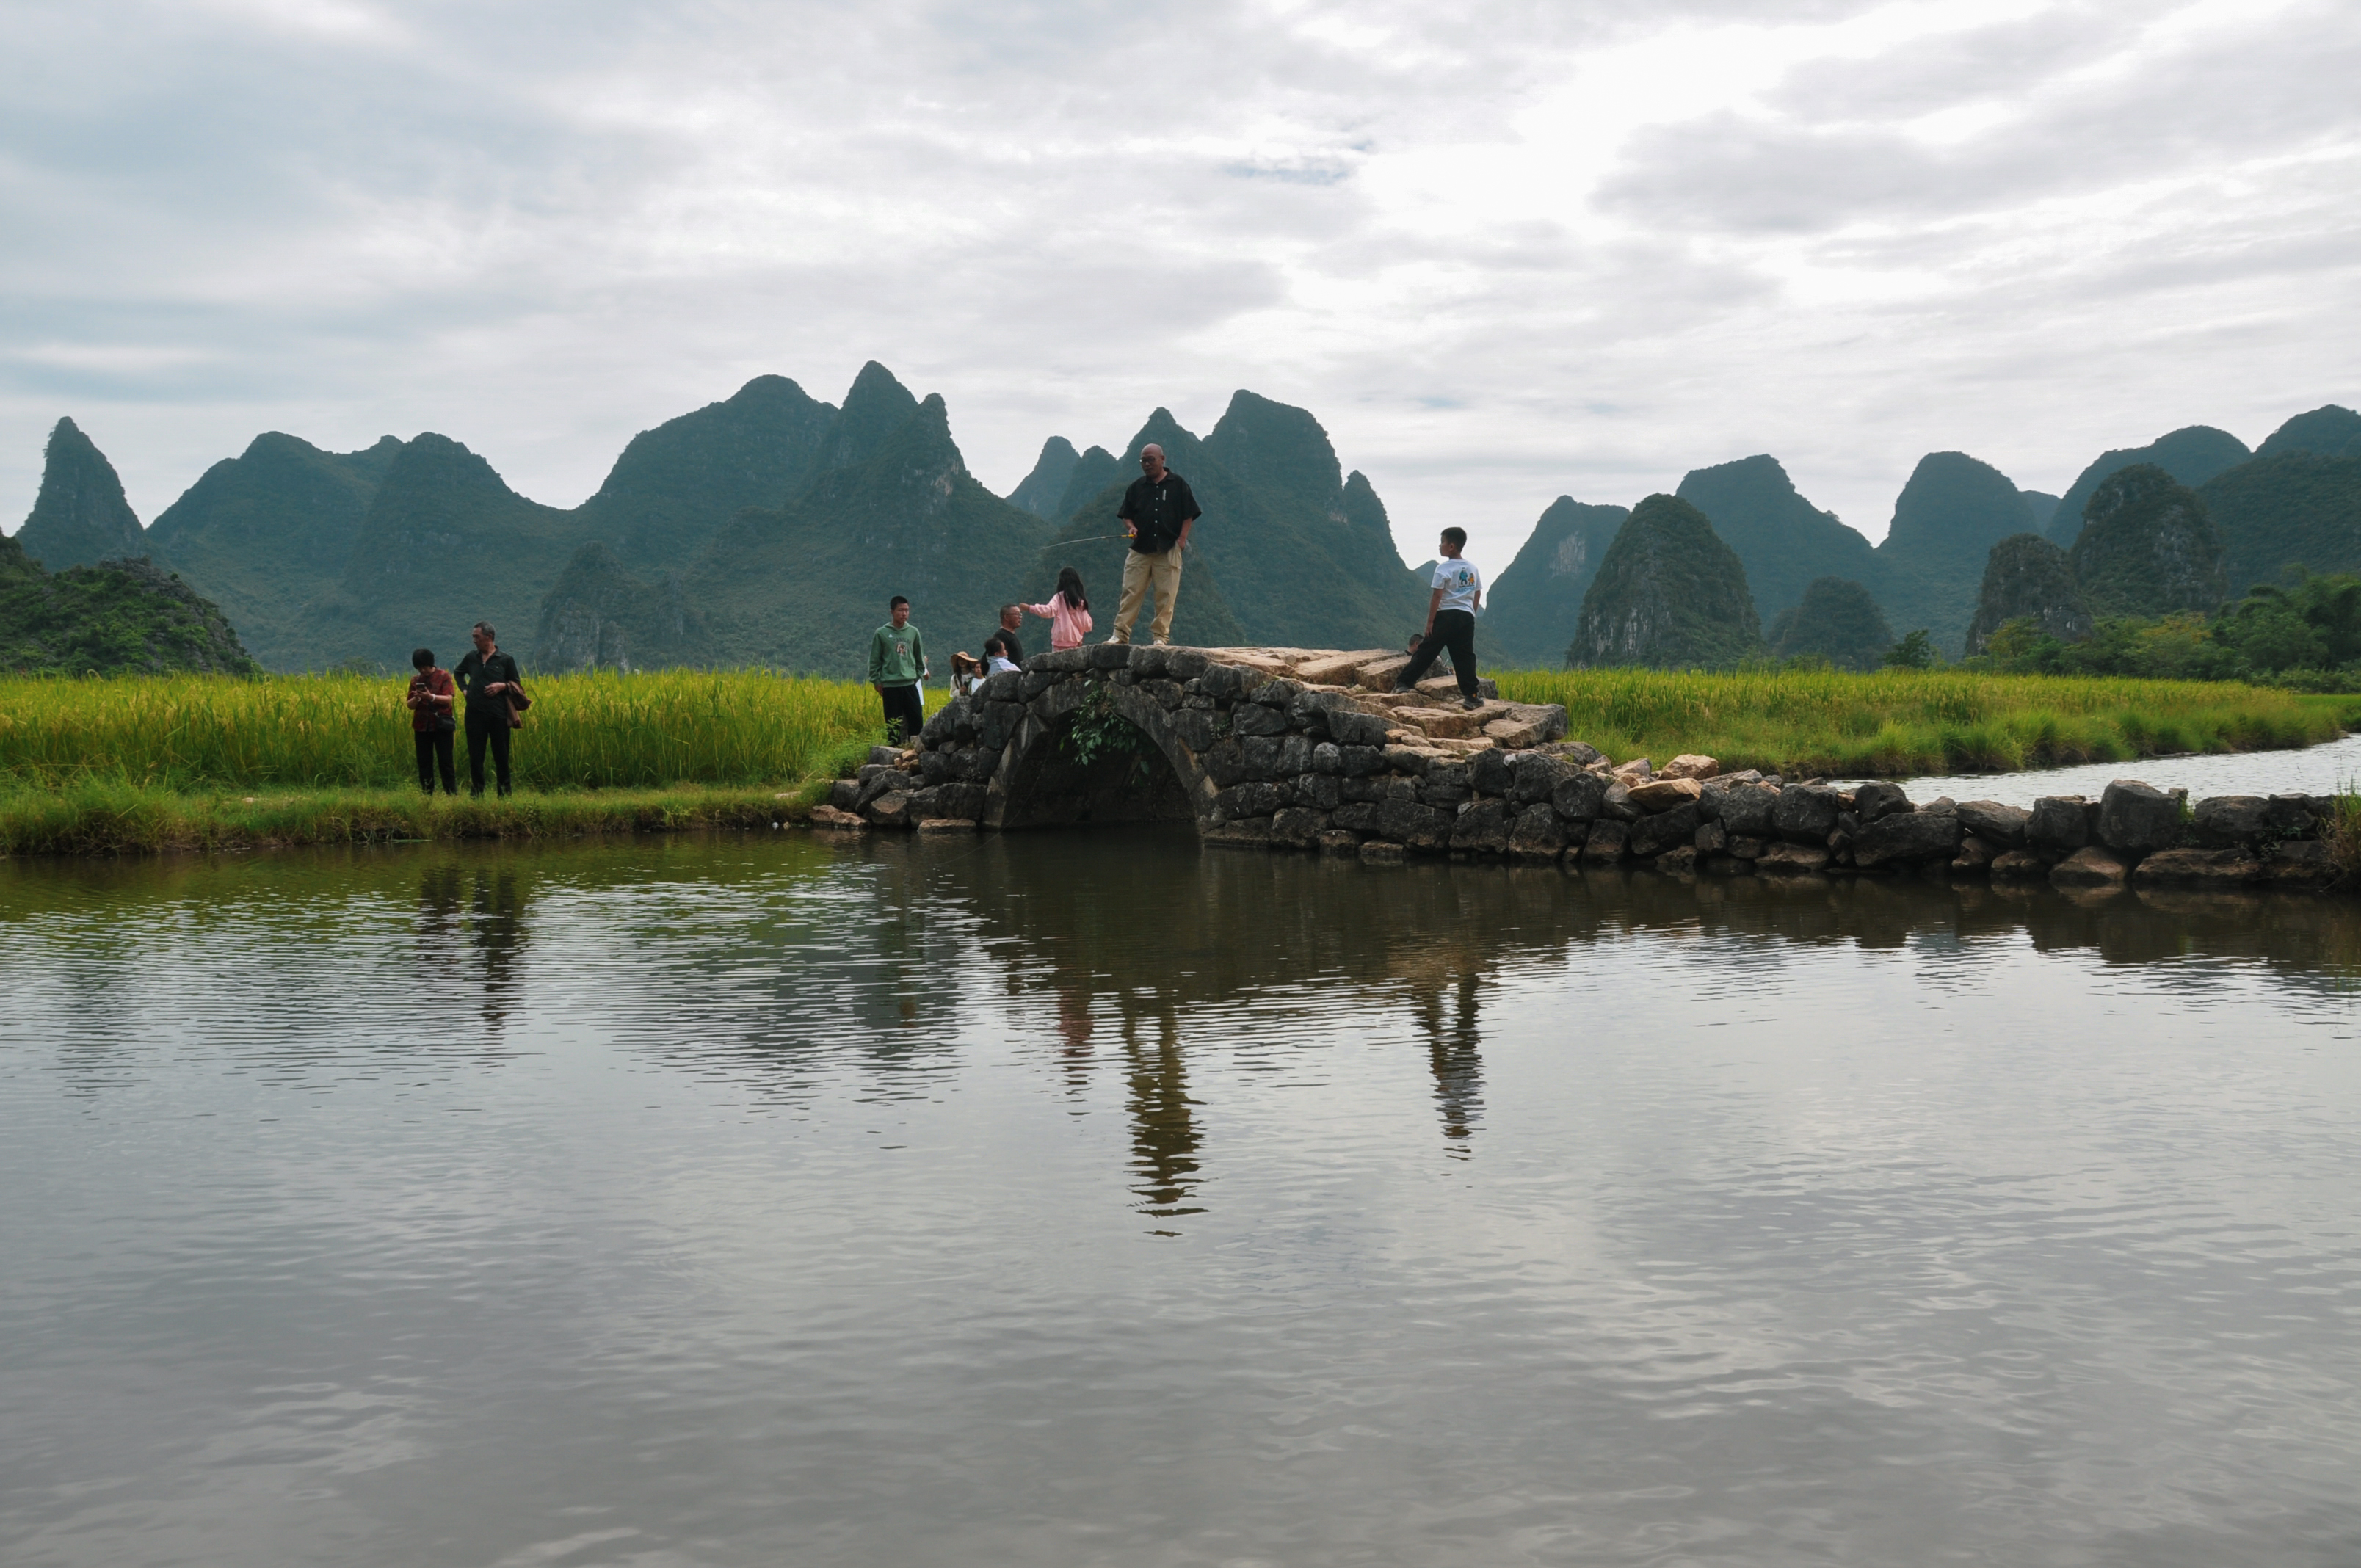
column 1286, row 746
column 1300, row 749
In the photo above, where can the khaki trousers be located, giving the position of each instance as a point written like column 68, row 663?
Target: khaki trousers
column 1142, row 571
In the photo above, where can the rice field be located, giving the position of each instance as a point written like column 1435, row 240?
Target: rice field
column 97, row 765
column 589, row 730
column 1895, row 723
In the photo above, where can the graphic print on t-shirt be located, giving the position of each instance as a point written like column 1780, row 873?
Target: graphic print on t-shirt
column 1460, row 583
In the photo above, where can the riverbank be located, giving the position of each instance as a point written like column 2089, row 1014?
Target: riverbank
column 1900, row 723
column 104, row 817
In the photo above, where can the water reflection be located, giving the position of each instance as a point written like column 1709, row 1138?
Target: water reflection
column 1448, row 1016
column 1500, row 1215
column 472, row 919
column 774, row 964
column 1164, row 1139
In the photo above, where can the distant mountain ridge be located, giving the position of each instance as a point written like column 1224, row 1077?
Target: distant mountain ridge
column 760, row 527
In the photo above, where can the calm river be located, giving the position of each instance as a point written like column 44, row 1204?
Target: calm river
column 1100, row 1200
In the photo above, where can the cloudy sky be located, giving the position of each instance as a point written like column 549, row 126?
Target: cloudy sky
column 1503, row 250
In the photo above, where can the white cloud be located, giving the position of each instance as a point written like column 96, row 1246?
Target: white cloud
column 1504, row 252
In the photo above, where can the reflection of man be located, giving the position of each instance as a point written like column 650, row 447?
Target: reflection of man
column 1452, row 1051
column 1157, row 511
column 1164, row 1136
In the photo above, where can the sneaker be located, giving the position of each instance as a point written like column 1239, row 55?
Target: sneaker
column 1471, row 703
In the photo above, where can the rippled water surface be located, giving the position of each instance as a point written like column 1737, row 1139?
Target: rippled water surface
column 2325, row 769
column 1084, row 1199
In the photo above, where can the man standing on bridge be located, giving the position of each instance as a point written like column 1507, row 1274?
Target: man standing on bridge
column 1157, row 513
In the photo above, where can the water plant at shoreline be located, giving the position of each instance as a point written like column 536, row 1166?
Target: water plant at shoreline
column 1895, row 723
column 590, row 730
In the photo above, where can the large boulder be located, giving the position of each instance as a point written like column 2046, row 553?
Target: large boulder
column 1907, row 836
column 2061, row 824
column 1747, row 809
column 2090, row 867
column 1791, row 859
column 1579, row 798
column 2228, row 819
column 1806, row 814
column 1652, row 835
column 2303, row 863
column 1876, row 799
column 2134, row 819
column 1538, row 833
column 1408, row 822
column 1993, row 823
column 1666, row 794
column 1606, row 842
column 1297, row 827
column 1482, row 827
column 1536, row 775
column 2198, row 868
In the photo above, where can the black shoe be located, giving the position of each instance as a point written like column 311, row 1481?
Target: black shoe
column 1471, row 703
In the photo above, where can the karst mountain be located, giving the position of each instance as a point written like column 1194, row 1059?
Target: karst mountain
column 769, row 527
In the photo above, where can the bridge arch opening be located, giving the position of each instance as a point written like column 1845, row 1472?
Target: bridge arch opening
column 1092, row 766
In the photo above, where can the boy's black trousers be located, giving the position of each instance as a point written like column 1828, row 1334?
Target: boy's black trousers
column 1453, row 632
column 904, row 710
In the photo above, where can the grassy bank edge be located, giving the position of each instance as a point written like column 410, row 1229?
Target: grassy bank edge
column 106, row 818
column 1901, row 724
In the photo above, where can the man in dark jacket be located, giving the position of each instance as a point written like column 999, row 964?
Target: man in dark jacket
column 1012, row 622
column 1157, row 513
column 490, row 678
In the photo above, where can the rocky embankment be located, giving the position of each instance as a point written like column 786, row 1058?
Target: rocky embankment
column 1302, row 749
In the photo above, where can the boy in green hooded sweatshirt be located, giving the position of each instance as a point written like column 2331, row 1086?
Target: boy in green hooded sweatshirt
column 898, row 663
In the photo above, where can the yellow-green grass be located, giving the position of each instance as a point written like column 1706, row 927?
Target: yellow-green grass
column 592, row 730
column 101, row 816
column 209, row 761
column 1895, row 723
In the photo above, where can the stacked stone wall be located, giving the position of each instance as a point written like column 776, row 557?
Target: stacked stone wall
column 1290, row 748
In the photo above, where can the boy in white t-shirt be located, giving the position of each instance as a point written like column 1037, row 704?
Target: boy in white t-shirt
column 1450, row 620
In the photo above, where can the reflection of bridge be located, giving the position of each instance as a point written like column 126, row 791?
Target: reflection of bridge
column 1283, row 745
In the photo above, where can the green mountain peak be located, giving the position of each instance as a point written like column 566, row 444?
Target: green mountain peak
column 1535, row 602
column 1783, row 540
column 2148, row 547
column 1836, row 620
column 1039, row 492
column 80, row 516
column 2192, row 454
column 1670, row 594
column 2329, row 431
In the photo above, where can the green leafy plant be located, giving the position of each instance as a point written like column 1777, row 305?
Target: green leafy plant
column 1097, row 731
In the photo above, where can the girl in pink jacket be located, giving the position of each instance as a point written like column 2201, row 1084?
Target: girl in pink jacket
column 1068, row 611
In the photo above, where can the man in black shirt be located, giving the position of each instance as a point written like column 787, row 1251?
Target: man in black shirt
column 488, row 677
column 1157, row 513
column 1012, row 620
